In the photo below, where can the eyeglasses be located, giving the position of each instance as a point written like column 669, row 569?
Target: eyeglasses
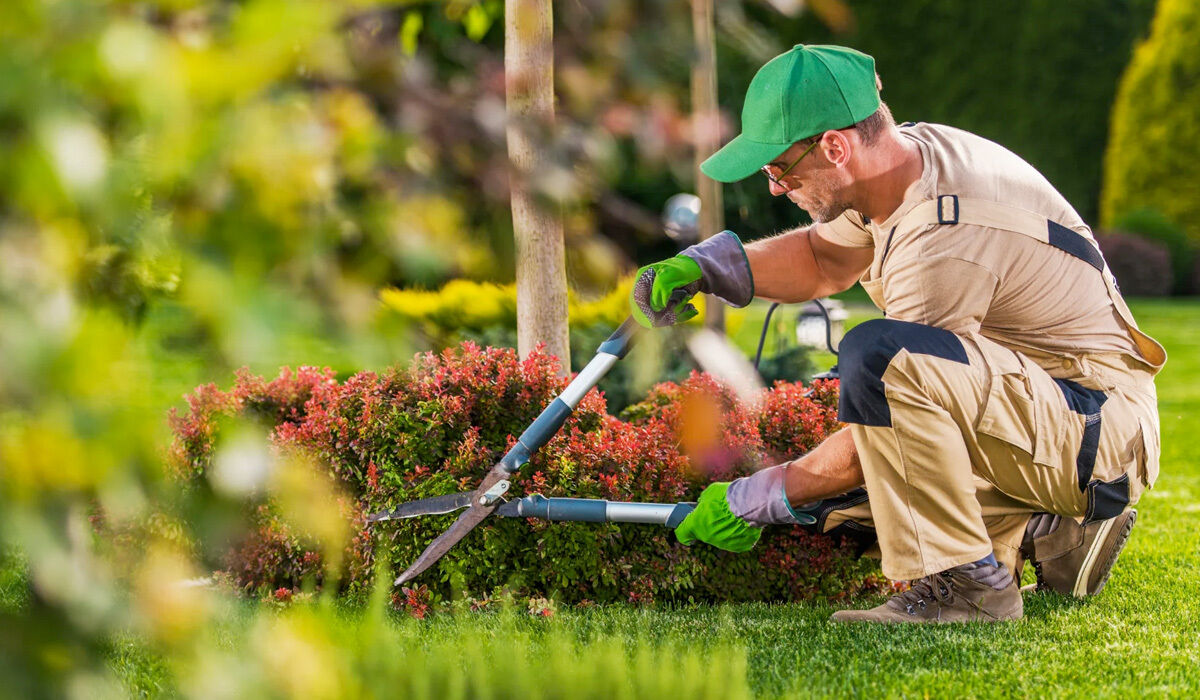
column 766, row 169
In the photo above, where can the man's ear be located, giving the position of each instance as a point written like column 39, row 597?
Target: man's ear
column 837, row 147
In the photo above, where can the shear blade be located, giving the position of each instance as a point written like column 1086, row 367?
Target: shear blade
column 465, row 523
column 425, row 506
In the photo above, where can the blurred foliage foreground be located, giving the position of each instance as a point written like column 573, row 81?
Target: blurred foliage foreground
column 190, row 187
column 167, row 166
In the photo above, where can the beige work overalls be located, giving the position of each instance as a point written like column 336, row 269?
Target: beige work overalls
column 962, row 439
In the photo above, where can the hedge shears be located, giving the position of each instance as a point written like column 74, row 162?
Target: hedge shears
column 488, row 498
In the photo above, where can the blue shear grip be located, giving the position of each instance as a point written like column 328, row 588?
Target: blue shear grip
column 546, row 425
column 681, row 511
column 621, row 340
column 585, row 510
column 516, row 458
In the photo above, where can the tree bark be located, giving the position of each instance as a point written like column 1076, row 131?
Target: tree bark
column 540, row 254
column 706, row 134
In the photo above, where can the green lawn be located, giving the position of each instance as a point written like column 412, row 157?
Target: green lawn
column 1139, row 636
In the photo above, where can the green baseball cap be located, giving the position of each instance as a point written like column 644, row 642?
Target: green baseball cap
column 798, row 94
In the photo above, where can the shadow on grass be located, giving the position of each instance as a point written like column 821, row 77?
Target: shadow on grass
column 1046, row 604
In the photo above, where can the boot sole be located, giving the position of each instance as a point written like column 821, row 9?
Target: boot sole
column 850, row 617
column 1097, row 557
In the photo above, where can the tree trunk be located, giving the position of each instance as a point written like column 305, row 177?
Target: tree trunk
column 541, row 262
column 706, row 134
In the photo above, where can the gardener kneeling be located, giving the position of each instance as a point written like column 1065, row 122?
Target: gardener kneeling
column 1003, row 410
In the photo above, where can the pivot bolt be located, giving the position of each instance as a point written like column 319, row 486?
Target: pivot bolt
column 493, row 494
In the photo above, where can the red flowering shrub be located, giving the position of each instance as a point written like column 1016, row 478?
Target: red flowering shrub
column 279, row 401
column 723, row 436
column 417, row 601
column 191, row 450
column 272, row 556
column 437, row 426
column 794, row 418
column 787, row 564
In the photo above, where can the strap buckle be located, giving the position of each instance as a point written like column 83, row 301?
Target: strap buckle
column 942, row 202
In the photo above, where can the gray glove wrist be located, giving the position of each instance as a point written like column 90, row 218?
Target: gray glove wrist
column 725, row 268
column 760, row 499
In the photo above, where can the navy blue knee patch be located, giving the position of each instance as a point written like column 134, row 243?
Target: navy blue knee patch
column 866, row 352
column 1105, row 499
column 1087, row 403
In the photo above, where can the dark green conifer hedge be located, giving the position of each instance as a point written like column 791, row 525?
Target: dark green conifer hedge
column 1037, row 76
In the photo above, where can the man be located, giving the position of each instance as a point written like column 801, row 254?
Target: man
column 1003, row 409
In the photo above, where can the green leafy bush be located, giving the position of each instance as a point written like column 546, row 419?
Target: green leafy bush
column 438, row 425
column 1151, row 160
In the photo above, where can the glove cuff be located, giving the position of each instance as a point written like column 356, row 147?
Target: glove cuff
column 724, row 267
column 760, row 499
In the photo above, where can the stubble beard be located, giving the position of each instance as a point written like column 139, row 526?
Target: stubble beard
column 823, row 205
column 822, row 214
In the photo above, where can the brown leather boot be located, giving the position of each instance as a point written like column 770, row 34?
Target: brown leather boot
column 949, row 596
column 1075, row 559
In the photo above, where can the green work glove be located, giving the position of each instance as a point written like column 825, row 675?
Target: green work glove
column 714, row 523
column 662, row 292
column 717, row 265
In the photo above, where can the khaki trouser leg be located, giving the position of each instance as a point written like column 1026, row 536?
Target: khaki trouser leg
column 1004, row 519
column 918, row 470
column 956, row 434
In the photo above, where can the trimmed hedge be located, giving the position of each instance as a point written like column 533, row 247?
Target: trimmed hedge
column 1151, row 159
column 437, row 427
column 1152, row 225
column 1142, row 268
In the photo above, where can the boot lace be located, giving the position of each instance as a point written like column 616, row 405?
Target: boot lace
column 1041, row 579
column 933, row 588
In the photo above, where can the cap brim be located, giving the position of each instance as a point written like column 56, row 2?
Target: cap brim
column 740, row 158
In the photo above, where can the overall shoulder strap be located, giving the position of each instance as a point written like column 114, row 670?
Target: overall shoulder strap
column 949, row 209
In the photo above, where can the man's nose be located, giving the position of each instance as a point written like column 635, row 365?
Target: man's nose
column 776, row 188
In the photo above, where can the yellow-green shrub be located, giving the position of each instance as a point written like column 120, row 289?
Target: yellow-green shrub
column 469, row 305
column 459, row 304
column 1153, row 149
column 486, row 314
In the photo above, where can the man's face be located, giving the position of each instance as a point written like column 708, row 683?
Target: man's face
column 813, row 184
